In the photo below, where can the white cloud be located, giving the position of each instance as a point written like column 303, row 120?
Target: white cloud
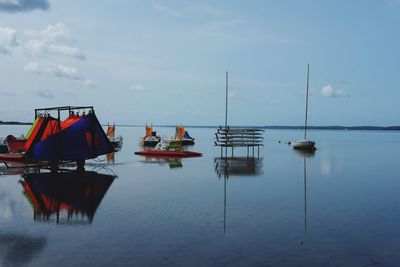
column 89, row 83
column 137, row 87
column 329, row 91
column 53, row 69
column 54, row 40
column 60, row 71
column 166, row 10
column 44, row 94
column 8, row 40
column 36, row 47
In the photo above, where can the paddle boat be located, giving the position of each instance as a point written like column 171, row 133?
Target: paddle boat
column 52, row 141
column 168, row 150
column 182, row 136
column 150, row 139
column 115, row 141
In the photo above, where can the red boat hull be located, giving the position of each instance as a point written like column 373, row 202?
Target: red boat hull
column 14, row 158
column 163, row 153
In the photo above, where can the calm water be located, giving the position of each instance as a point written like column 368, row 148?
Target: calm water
column 338, row 207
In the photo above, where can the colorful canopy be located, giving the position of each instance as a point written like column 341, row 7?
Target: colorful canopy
column 77, row 137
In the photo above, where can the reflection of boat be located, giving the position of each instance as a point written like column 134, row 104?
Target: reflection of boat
column 110, row 158
column 182, row 136
column 52, row 140
column 242, row 166
column 150, row 139
column 305, row 153
column 72, row 193
column 115, row 141
column 168, row 149
column 305, row 144
column 173, row 162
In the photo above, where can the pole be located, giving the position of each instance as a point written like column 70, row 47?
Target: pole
column 226, row 101
column 305, row 123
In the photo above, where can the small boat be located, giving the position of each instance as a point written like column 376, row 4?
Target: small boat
column 14, row 144
column 167, row 150
column 115, row 141
column 150, row 139
column 182, row 136
column 305, row 144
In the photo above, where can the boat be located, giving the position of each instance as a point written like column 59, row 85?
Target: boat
column 53, row 141
column 14, row 144
column 305, row 144
column 115, row 141
column 150, row 139
column 167, row 150
column 182, row 136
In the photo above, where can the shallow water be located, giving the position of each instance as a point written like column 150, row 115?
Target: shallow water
column 337, row 207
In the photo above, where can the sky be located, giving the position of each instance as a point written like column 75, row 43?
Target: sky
column 164, row 62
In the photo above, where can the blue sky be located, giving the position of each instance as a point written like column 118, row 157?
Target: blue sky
column 164, row 61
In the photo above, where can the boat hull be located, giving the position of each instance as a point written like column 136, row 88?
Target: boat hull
column 150, row 143
column 303, row 145
column 163, row 153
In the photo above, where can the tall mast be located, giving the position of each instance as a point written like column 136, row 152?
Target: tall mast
column 305, row 123
column 226, row 101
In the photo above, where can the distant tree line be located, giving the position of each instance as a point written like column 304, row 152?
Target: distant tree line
column 14, row 123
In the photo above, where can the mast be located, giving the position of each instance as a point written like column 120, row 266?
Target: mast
column 226, row 101
column 305, row 123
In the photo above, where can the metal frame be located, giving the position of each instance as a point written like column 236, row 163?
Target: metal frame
column 39, row 111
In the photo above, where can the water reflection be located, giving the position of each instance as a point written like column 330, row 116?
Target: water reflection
column 305, row 154
column 236, row 166
column 69, row 196
column 111, row 158
column 173, row 162
column 305, row 192
column 19, row 250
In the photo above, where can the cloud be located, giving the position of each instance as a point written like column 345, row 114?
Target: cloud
column 89, row 83
column 8, row 40
column 54, row 40
column 54, row 70
column 23, row 5
column 59, row 71
column 329, row 91
column 44, row 94
column 166, row 10
column 137, row 87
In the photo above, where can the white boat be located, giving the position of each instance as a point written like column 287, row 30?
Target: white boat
column 305, row 144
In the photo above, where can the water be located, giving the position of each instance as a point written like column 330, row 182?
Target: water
column 338, row 207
